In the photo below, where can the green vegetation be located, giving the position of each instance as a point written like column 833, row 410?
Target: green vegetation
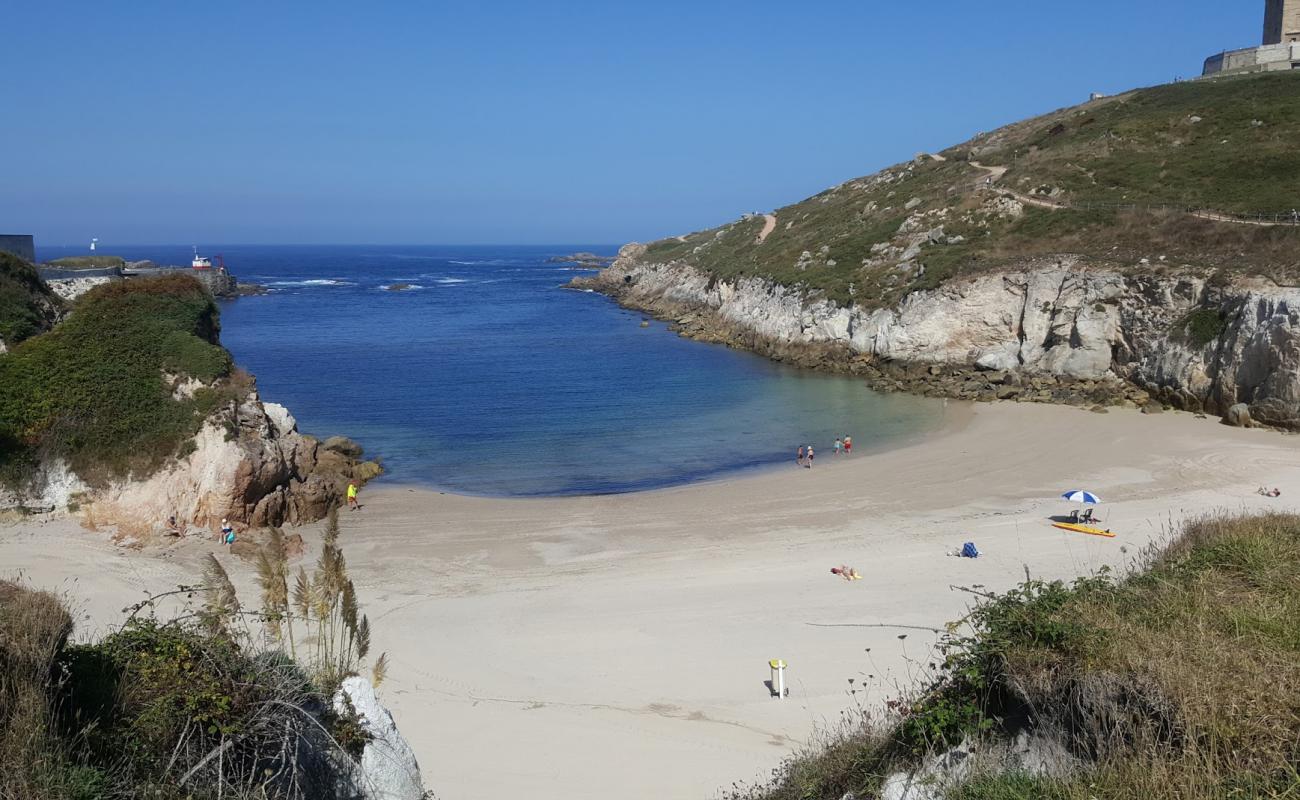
column 1204, row 325
column 27, row 306
column 99, row 389
column 1111, row 160
column 1182, row 680
column 192, row 708
column 88, row 262
column 1226, row 144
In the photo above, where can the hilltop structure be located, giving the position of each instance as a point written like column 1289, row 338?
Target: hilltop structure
column 1282, row 22
column 1280, row 50
column 20, row 245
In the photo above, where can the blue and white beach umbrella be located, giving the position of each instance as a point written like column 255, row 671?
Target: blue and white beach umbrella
column 1080, row 496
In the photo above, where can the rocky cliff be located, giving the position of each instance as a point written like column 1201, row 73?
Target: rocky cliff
column 130, row 411
column 248, row 463
column 1051, row 329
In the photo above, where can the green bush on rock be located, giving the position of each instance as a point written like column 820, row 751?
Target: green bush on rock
column 98, row 389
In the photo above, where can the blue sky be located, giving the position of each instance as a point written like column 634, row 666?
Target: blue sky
column 526, row 122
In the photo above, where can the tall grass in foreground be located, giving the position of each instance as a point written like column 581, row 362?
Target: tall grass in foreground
column 1181, row 680
column 201, row 706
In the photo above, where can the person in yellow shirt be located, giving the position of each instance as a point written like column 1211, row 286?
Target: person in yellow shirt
column 352, row 495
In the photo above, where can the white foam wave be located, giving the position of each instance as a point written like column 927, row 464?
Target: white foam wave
column 313, row 282
column 448, row 281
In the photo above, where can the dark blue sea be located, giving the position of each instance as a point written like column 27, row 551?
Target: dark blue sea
column 490, row 378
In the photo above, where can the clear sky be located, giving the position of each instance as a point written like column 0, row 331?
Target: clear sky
column 547, row 121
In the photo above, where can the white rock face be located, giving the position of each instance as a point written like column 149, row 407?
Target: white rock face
column 281, row 418
column 1056, row 317
column 72, row 288
column 388, row 768
column 52, row 488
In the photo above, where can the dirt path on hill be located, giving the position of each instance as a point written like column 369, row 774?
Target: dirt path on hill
column 995, row 174
column 769, row 225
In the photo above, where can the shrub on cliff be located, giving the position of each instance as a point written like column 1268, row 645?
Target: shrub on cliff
column 98, row 390
column 1180, row 681
column 27, row 306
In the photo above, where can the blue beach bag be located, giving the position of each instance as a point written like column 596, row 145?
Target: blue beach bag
column 969, row 550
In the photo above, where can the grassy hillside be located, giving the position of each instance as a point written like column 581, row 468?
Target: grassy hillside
column 88, row 262
column 1182, row 681
column 1225, row 144
column 27, row 306
column 98, row 390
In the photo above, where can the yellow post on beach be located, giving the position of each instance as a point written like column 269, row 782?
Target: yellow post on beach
column 778, row 676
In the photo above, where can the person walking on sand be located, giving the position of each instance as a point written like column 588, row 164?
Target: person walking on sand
column 848, row 445
column 798, row 459
column 809, row 459
column 839, row 446
column 352, row 495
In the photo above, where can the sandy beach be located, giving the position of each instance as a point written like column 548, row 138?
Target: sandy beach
column 618, row 645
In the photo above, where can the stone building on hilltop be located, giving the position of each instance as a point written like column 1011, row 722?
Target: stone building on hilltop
column 17, row 244
column 1282, row 22
column 1280, row 50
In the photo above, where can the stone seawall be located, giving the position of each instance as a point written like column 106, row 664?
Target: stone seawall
column 1048, row 330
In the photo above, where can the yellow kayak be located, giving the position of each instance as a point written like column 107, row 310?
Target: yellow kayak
column 1070, row 526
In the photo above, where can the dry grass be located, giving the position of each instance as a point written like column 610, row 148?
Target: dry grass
column 33, row 629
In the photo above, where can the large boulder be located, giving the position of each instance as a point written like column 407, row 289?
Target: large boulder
column 388, row 769
column 280, row 417
column 344, row 446
column 1238, row 416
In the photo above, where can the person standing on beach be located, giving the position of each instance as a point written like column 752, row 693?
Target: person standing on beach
column 799, row 457
column 810, row 457
column 839, row 446
column 848, row 445
column 352, row 495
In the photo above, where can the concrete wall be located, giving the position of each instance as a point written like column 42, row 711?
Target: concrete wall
column 218, row 281
column 20, row 245
column 1255, row 59
column 1281, row 21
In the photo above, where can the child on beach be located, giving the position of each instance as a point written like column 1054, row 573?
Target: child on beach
column 227, row 532
column 839, row 446
column 352, row 495
column 809, row 459
column 848, row 445
column 799, row 457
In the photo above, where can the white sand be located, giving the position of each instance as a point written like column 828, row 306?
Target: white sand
column 617, row 646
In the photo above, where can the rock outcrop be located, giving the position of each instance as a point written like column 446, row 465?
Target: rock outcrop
column 249, row 464
column 1048, row 330
column 388, row 769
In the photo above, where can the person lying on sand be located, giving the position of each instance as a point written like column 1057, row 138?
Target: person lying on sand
column 1274, row 492
column 847, row 573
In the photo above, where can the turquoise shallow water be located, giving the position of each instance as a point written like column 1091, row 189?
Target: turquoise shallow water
column 491, row 379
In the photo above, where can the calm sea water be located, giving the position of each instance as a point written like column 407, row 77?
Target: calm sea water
column 489, row 378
